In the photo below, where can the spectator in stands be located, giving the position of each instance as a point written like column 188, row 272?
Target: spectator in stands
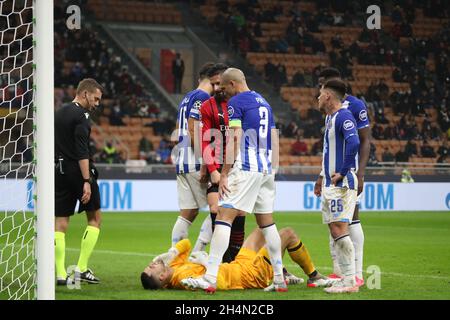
column 145, row 148
column 401, row 156
column 281, row 46
column 406, row 176
column 391, row 132
column 279, row 77
column 309, row 81
column 269, row 70
column 115, row 117
column 317, row 148
column 291, row 130
column 271, row 45
column 163, row 152
column 443, row 150
column 110, row 154
column 427, row 151
column 254, row 44
column 444, row 116
column 177, row 72
column 298, row 80
column 443, row 159
column 92, row 149
column 377, row 132
column 411, row 148
column 387, row 155
column 373, row 161
column 380, row 118
column 299, row 147
column 336, row 41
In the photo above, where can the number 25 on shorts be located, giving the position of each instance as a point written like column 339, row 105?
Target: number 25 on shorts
column 336, row 206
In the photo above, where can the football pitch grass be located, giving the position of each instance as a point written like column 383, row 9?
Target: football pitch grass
column 411, row 249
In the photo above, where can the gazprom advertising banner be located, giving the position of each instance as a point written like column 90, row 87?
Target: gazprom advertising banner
column 161, row 195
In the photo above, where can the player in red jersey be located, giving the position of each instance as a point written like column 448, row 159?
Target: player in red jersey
column 214, row 123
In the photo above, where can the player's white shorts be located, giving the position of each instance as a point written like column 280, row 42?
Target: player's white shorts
column 338, row 204
column 359, row 199
column 251, row 192
column 191, row 193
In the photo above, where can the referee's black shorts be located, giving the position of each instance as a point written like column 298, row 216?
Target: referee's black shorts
column 69, row 189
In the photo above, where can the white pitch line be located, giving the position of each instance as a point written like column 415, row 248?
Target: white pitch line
column 122, row 253
column 149, row 255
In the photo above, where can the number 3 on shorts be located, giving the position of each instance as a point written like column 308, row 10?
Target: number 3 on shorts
column 336, row 205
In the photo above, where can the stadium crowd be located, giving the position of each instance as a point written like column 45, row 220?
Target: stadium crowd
column 429, row 87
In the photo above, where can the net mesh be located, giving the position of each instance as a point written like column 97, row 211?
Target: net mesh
column 17, row 219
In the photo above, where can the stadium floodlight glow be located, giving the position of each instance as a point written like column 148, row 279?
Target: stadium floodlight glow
column 44, row 114
column 26, row 150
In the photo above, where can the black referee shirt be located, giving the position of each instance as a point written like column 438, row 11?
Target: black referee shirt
column 72, row 130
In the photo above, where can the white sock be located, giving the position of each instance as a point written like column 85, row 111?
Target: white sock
column 346, row 257
column 273, row 245
column 205, row 235
column 336, row 269
column 357, row 236
column 180, row 230
column 219, row 244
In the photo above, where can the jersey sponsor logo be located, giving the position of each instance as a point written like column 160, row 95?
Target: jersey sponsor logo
column 348, row 125
column 230, row 111
column 363, row 115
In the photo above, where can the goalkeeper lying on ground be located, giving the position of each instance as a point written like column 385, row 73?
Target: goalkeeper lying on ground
column 251, row 269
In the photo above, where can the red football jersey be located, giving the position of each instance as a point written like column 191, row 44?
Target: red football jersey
column 214, row 141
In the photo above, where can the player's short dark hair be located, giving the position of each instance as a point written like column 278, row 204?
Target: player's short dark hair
column 338, row 86
column 149, row 283
column 218, row 68
column 204, row 70
column 90, row 85
column 329, row 73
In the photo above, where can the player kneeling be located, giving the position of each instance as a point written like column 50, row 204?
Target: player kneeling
column 250, row 270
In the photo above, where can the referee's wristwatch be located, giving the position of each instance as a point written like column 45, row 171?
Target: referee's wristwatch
column 90, row 180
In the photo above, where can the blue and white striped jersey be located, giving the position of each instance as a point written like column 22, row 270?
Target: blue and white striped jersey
column 250, row 111
column 359, row 111
column 338, row 128
column 189, row 108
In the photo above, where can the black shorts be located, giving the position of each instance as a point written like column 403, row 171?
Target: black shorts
column 213, row 187
column 69, row 189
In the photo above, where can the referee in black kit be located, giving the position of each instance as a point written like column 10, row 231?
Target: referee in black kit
column 76, row 179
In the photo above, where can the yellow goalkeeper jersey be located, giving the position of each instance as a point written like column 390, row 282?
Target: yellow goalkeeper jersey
column 248, row 270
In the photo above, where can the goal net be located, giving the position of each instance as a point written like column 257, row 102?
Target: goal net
column 19, row 142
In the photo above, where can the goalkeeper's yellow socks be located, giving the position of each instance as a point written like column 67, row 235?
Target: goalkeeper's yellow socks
column 300, row 255
column 88, row 242
column 60, row 254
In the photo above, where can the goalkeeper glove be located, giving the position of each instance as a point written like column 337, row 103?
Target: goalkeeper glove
column 199, row 257
column 167, row 257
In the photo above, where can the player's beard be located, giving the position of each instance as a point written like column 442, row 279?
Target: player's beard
column 220, row 97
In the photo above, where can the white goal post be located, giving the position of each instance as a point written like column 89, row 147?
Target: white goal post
column 26, row 150
column 44, row 120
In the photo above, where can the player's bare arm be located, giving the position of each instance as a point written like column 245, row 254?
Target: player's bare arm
column 231, row 153
column 364, row 152
column 275, row 149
